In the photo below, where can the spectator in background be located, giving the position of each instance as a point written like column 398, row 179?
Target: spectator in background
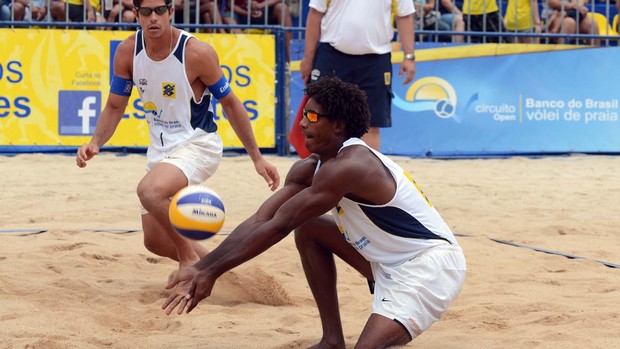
column 453, row 17
column 228, row 17
column 209, row 13
column 442, row 15
column 428, row 16
column 99, row 17
column 5, row 11
column 263, row 12
column 522, row 17
column 121, row 12
column 76, row 11
column 19, row 10
column 38, row 10
column 570, row 17
column 294, row 7
column 483, row 16
column 549, row 17
column 25, row 10
column 351, row 39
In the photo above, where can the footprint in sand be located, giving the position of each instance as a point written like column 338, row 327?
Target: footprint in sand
column 99, row 257
column 153, row 260
column 68, row 247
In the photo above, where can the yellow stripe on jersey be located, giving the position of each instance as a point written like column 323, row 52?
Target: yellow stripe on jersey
column 418, row 188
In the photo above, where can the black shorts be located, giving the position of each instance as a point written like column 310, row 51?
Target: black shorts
column 262, row 20
column 371, row 72
column 178, row 16
column 492, row 22
column 572, row 13
column 76, row 13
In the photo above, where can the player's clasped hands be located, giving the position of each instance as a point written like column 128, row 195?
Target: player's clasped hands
column 182, row 284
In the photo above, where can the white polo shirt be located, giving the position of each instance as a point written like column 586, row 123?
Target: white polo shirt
column 358, row 27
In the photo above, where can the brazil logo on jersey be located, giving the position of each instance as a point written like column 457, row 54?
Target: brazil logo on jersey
column 169, row 90
column 339, row 210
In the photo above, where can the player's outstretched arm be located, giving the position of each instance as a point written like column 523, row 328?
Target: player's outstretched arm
column 328, row 186
column 210, row 73
column 112, row 113
column 240, row 122
column 299, row 177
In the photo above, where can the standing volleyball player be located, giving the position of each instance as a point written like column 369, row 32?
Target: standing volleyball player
column 176, row 76
column 351, row 39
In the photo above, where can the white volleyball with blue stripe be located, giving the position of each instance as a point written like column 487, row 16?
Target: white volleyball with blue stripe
column 196, row 212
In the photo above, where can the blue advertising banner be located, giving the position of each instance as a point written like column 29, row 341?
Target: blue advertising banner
column 540, row 102
column 475, row 100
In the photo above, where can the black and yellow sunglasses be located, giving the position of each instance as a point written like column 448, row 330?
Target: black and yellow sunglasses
column 159, row 10
column 312, row 115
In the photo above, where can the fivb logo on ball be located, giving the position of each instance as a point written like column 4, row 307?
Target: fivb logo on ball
column 432, row 94
column 196, row 212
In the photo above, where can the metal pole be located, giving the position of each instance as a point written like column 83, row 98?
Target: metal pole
column 281, row 102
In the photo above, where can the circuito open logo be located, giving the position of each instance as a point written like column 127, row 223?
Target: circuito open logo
column 429, row 94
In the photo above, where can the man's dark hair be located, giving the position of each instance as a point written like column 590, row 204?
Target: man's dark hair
column 138, row 3
column 342, row 101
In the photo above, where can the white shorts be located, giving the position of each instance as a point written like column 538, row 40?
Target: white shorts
column 417, row 292
column 198, row 158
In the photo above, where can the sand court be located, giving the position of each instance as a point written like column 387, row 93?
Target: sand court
column 76, row 275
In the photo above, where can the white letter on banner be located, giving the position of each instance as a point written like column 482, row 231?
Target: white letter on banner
column 85, row 113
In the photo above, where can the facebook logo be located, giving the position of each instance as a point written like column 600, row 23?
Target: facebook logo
column 78, row 112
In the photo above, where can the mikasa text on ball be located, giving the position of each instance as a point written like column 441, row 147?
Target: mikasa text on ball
column 196, row 212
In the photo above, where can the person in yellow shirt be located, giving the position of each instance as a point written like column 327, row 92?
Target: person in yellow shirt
column 77, row 11
column 98, row 11
column 483, row 16
column 522, row 17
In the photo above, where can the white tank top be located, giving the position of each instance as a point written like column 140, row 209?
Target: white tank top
column 397, row 231
column 172, row 112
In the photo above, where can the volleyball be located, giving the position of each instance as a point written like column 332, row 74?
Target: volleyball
column 196, row 212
